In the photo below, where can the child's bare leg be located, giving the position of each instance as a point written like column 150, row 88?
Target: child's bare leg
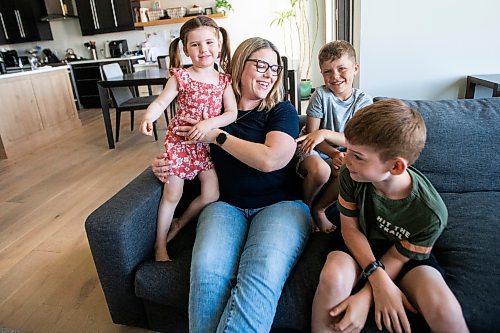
column 426, row 289
column 336, row 281
column 317, row 173
column 209, row 194
column 325, row 200
column 172, row 192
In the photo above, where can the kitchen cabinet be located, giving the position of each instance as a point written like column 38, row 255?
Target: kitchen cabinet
column 37, row 108
column 20, row 21
column 104, row 16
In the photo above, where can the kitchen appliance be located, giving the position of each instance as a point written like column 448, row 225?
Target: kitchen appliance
column 10, row 58
column 49, row 57
column 107, row 52
column 118, row 47
column 59, row 10
column 3, row 70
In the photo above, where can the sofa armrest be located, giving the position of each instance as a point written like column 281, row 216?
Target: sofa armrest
column 121, row 235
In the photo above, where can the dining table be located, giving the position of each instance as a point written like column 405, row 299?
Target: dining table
column 149, row 77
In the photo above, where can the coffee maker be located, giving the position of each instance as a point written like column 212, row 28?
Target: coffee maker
column 117, row 48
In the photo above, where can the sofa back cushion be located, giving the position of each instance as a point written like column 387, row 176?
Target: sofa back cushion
column 462, row 152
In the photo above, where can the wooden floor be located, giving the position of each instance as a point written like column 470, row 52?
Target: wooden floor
column 48, row 281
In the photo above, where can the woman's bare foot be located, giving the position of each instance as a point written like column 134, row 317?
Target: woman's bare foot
column 161, row 253
column 175, row 227
column 322, row 222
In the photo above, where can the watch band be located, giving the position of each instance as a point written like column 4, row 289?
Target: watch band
column 372, row 267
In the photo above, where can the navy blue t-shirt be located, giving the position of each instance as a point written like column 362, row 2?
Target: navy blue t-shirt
column 245, row 187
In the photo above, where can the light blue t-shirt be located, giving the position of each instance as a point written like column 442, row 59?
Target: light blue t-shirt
column 334, row 112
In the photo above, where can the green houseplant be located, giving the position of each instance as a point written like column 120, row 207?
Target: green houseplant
column 299, row 32
column 223, row 6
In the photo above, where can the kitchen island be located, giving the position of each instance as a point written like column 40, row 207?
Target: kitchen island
column 37, row 107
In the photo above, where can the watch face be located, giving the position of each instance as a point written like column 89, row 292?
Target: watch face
column 221, row 138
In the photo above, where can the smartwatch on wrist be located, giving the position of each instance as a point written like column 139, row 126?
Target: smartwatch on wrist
column 221, row 138
column 372, row 267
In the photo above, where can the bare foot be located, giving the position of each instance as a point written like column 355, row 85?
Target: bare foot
column 161, row 254
column 322, row 222
column 175, row 227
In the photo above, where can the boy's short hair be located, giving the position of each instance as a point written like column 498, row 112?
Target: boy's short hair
column 389, row 126
column 335, row 50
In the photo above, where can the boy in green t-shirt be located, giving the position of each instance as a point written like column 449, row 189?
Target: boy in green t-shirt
column 391, row 216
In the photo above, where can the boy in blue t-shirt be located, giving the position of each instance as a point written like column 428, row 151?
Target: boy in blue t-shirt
column 391, row 216
column 330, row 108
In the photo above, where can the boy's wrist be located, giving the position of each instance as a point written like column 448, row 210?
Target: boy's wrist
column 371, row 268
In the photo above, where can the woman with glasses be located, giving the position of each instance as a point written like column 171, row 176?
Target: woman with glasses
column 248, row 242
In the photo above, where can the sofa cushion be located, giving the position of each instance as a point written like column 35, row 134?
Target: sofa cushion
column 468, row 250
column 168, row 282
column 463, row 141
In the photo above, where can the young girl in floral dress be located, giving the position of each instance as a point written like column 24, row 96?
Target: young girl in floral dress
column 201, row 92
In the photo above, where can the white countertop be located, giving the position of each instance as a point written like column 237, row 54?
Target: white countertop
column 39, row 70
column 76, row 62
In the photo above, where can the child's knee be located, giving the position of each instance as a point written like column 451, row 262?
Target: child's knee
column 319, row 172
column 334, row 278
column 209, row 196
column 171, row 196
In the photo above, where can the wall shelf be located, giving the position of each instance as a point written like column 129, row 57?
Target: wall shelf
column 174, row 20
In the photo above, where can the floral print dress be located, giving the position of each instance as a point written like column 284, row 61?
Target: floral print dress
column 196, row 100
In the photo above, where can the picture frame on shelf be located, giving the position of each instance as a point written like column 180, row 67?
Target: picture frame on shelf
column 208, row 11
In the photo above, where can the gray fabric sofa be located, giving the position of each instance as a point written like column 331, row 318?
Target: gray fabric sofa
column 461, row 158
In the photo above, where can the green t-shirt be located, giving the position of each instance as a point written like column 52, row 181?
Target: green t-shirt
column 413, row 223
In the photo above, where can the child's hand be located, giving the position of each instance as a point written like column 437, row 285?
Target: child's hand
column 311, row 140
column 355, row 310
column 147, row 127
column 390, row 303
column 338, row 160
column 199, row 130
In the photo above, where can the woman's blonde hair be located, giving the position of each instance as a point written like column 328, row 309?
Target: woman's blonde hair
column 244, row 52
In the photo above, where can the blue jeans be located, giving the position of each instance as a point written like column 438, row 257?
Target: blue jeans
column 241, row 260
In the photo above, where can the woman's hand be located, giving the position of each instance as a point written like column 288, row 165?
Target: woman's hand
column 160, row 167
column 187, row 130
column 311, row 140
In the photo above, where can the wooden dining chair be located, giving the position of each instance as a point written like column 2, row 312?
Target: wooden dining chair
column 290, row 84
column 162, row 61
column 124, row 100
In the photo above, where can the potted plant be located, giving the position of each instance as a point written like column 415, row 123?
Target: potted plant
column 297, row 30
column 223, row 6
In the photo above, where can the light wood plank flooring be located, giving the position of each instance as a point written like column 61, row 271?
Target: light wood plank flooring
column 48, row 281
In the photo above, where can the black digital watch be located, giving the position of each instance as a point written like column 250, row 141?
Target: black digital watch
column 221, row 138
column 371, row 267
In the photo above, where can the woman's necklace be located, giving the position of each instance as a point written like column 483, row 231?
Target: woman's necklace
column 244, row 115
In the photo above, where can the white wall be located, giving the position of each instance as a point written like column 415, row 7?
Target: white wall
column 425, row 49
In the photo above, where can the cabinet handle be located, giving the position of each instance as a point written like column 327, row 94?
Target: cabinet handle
column 4, row 29
column 96, row 16
column 62, row 7
column 114, row 13
column 93, row 15
column 19, row 23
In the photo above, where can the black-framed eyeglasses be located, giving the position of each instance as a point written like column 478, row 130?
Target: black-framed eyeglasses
column 262, row 67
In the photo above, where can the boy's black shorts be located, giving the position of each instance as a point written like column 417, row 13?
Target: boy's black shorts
column 379, row 248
